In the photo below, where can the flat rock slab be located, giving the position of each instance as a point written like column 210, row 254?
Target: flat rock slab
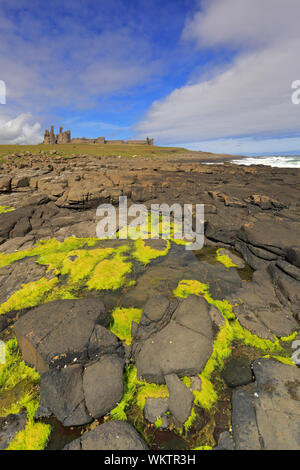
column 259, row 310
column 12, row 277
column 58, row 333
column 114, row 435
column 182, row 347
column 103, row 385
column 268, row 419
column 156, row 408
column 181, row 398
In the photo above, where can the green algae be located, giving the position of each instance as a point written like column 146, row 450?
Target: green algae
column 150, row 390
column 136, row 393
column 4, row 209
column 30, row 295
column 130, row 385
column 158, row 423
column 76, row 263
column 225, row 260
column 122, row 319
column 203, row 448
column 19, row 385
column 145, row 254
column 110, row 274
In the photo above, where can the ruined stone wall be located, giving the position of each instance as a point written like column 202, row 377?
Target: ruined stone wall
column 62, row 138
column 65, row 138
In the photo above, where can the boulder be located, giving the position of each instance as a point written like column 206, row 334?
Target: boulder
column 114, row 435
column 237, row 372
column 62, row 394
column 278, row 404
column 180, row 400
column 182, row 347
column 58, row 333
column 103, row 385
column 244, row 425
column 156, row 408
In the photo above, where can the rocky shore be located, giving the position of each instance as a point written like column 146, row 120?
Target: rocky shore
column 143, row 344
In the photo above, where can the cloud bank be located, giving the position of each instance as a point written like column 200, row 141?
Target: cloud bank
column 20, row 130
column 252, row 95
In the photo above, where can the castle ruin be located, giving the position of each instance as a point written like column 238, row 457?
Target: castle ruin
column 62, row 138
column 65, row 138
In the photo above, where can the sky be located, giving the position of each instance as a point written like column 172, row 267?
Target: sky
column 212, row 75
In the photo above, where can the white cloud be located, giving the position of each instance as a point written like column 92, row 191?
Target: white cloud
column 252, row 97
column 20, row 130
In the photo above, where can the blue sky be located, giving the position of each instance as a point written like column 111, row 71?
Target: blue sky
column 212, row 75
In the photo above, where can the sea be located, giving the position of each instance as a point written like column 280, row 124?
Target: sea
column 279, row 161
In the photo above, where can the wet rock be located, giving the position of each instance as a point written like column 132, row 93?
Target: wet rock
column 261, row 233
column 278, row 404
column 103, row 385
column 10, row 426
column 237, row 372
column 156, row 408
column 21, row 272
column 182, row 347
column 254, row 261
column 155, row 308
column 239, row 262
column 259, row 310
column 114, row 435
column 289, row 269
column 58, row 333
column 103, row 342
column 62, row 393
column 216, row 316
column 244, row 425
column 181, row 398
column 225, row 442
column 15, row 223
column 270, row 418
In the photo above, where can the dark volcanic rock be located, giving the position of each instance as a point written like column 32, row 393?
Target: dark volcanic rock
column 59, row 332
column 103, row 385
column 225, row 442
column 10, row 426
column 181, row 398
column 114, row 435
column 103, row 342
column 278, row 404
column 259, row 310
column 156, row 408
column 237, row 372
column 270, row 418
column 244, row 426
column 21, row 272
column 182, row 347
column 62, row 394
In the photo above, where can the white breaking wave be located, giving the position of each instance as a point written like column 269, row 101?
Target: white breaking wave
column 287, row 161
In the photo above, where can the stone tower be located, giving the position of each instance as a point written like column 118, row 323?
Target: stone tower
column 49, row 137
column 62, row 138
